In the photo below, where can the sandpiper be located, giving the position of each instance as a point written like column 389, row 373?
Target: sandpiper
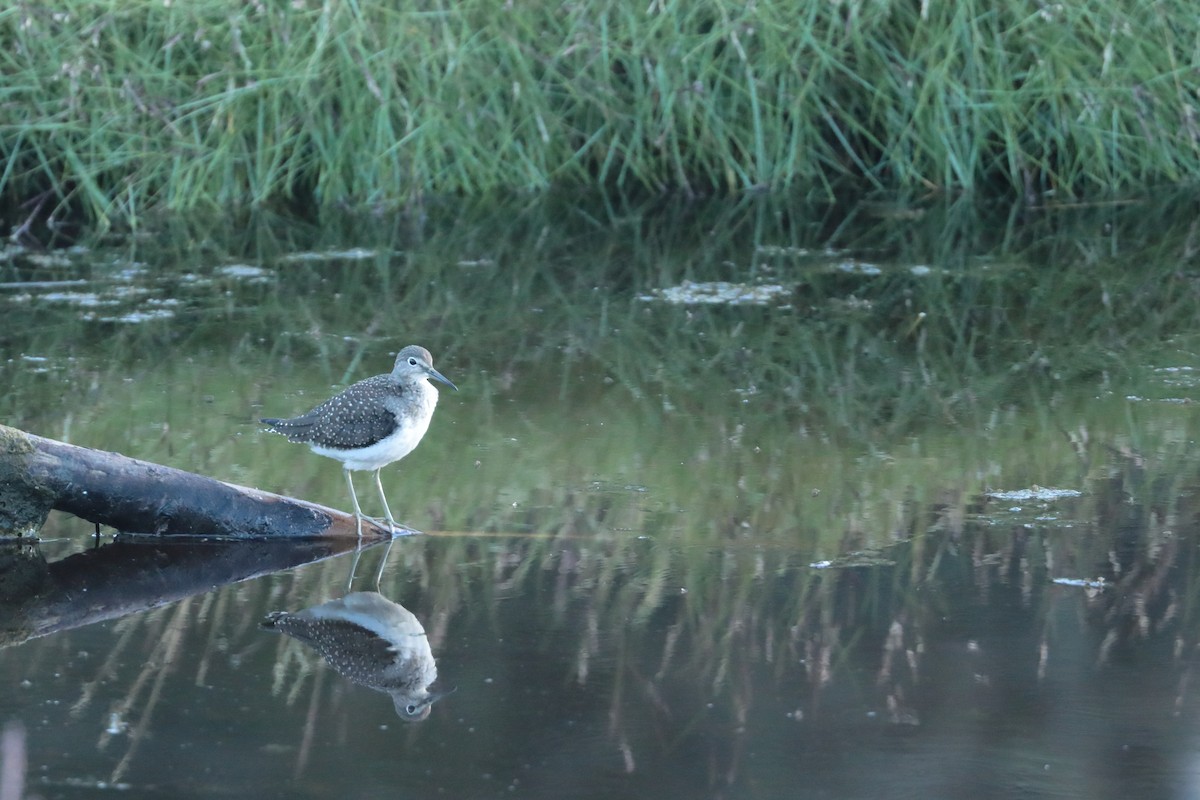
column 372, row 423
column 372, row 641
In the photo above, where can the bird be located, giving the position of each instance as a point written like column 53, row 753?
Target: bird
column 371, row 641
column 372, row 423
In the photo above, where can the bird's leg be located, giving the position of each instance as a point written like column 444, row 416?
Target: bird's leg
column 354, row 567
column 383, row 563
column 358, row 515
column 379, row 485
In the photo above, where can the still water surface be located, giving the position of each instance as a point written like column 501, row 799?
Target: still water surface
column 781, row 543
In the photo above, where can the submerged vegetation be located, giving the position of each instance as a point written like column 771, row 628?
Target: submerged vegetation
column 785, row 519
column 878, row 320
column 111, row 111
column 888, row 336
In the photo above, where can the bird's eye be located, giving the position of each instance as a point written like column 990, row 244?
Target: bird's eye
column 410, row 708
column 412, row 362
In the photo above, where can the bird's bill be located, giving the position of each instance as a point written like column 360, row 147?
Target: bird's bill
column 437, row 376
column 435, row 696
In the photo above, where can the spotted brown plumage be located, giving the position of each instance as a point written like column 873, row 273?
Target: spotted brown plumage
column 371, row 641
column 359, row 417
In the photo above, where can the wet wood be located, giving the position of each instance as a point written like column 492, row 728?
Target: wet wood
column 39, row 474
column 127, row 577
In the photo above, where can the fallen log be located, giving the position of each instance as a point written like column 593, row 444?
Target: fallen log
column 127, row 577
column 38, row 475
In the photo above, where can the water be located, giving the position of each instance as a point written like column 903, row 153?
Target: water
column 882, row 532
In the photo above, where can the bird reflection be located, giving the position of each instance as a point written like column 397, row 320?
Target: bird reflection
column 373, row 642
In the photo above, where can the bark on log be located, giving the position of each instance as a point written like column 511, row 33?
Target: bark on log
column 39, row 474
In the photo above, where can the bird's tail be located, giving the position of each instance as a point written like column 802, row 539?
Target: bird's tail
column 271, row 621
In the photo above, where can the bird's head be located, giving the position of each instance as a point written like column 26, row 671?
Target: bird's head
column 415, row 362
column 416, row 706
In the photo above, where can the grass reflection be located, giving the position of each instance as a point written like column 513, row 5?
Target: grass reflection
column 668, row 641
column 627, row 496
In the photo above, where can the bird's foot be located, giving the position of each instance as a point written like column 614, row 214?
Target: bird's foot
column 391, row 524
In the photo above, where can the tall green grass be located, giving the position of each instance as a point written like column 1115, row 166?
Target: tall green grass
column 112, row 110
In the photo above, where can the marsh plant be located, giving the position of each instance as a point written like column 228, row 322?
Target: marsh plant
column 112, row 111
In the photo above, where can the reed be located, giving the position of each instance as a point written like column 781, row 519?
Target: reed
column 112, row 110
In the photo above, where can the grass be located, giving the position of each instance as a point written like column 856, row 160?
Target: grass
column 112, row 111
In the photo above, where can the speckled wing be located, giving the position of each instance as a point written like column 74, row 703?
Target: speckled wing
column 350, row 420
column 353, row 651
